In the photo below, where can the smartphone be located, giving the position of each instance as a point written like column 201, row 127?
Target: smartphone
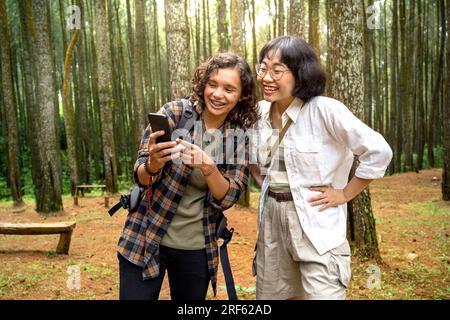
column 160, row 122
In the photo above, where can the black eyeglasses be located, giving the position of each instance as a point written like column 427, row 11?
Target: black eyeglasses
column 275, row 74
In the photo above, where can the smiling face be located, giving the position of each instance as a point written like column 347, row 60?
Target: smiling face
column 222, row 92
column 279, row 91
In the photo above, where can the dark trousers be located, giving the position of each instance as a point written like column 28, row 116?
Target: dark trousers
column 187, row 270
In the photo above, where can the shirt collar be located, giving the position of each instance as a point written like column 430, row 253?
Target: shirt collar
column 293, row 111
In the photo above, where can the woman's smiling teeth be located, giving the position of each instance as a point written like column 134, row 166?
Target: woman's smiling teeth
column 270, row 88
column 217, row 104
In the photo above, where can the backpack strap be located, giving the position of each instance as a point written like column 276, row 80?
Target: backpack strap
column 188, row 116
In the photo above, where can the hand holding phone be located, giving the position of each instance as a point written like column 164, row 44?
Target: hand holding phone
column 160, row 122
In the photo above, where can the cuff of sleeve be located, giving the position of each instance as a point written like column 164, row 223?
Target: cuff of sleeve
column 230, row 198
column 370, row 173
column 139, row 162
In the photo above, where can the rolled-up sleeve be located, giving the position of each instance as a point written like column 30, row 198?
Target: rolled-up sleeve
column 237, row 173
column 374, row 152
column 238, row 176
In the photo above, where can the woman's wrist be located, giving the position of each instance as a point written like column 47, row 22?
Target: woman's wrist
column 208, row 169
column 149, row 170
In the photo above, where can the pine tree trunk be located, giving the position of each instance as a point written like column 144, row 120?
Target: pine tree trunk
column 104, row 91
column 204, row 33
column 446, row 122
column 49, row 186
column 297, row 20
column 313, row 10
column 420, row 103
column 407, row 27
column 346, row 79
column 368, row 39
column 84, row 99
column 138, row 69
column 177, row 34
column 237, row 34
column 12, row 137
column 208, row 15
column 437, row 85
column 281, row 17
column 69, row 114
column 222, row 25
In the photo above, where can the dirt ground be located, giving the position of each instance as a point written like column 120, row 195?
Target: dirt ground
column 413, row 227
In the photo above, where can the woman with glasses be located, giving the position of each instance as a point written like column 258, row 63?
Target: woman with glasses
column 305, row 148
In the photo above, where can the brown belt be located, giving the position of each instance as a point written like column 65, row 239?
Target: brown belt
column 281, row 196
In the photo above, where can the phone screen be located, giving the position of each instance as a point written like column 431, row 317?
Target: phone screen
column 160, row 122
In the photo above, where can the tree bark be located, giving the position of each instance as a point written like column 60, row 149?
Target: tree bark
column 313, row 11
column 104, row 91
column 69, row 114
column 347, row 85
column 368, row 39
column 222, row 25
column 446, row 124
column 297, row 20
column 138, row 69
column 177, row 35
column 437, row 85
column 12, row 138
column 49, row 187
column 281, row 17
column 237, row 20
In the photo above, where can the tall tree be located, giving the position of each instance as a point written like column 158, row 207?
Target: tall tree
column 346, row 79
column 28, row 32
column 177, row 34
column 69, row 114
column 237, row 20
column 297, row 21
column 407, row 80
column 222, row 25
column 83, row 102
column 446, row 123
column 368, row 39
column 440, row 7
column 313, row 11
column 105, row 92
column 419, row 92
column 394, row 113
column 280, row 17
column 12, row 138
column 49, row 182
column 138, row 70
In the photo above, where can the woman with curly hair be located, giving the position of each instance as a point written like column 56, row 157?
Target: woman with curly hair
column 174, row 229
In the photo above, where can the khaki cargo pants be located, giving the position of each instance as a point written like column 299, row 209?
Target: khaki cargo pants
column 288, row 266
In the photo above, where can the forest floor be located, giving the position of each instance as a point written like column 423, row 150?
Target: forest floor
column 413, row 227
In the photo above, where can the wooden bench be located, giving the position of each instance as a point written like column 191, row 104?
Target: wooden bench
column 65, row 230
column 82, row 187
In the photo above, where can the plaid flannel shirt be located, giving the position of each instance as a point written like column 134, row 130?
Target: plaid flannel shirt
column 144, row 229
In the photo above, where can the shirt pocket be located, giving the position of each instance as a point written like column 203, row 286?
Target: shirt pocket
column 306, row 159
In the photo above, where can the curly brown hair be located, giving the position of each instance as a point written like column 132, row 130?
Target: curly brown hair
column 245, row 113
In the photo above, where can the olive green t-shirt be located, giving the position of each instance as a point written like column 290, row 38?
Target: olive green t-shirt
column 186, row 229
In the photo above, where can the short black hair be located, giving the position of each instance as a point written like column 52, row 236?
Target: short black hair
column 302, row 61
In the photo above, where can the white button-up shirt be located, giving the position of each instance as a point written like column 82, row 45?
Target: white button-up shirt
column 318, row 151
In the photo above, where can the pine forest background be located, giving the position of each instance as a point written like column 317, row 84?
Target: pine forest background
column 78, row 77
